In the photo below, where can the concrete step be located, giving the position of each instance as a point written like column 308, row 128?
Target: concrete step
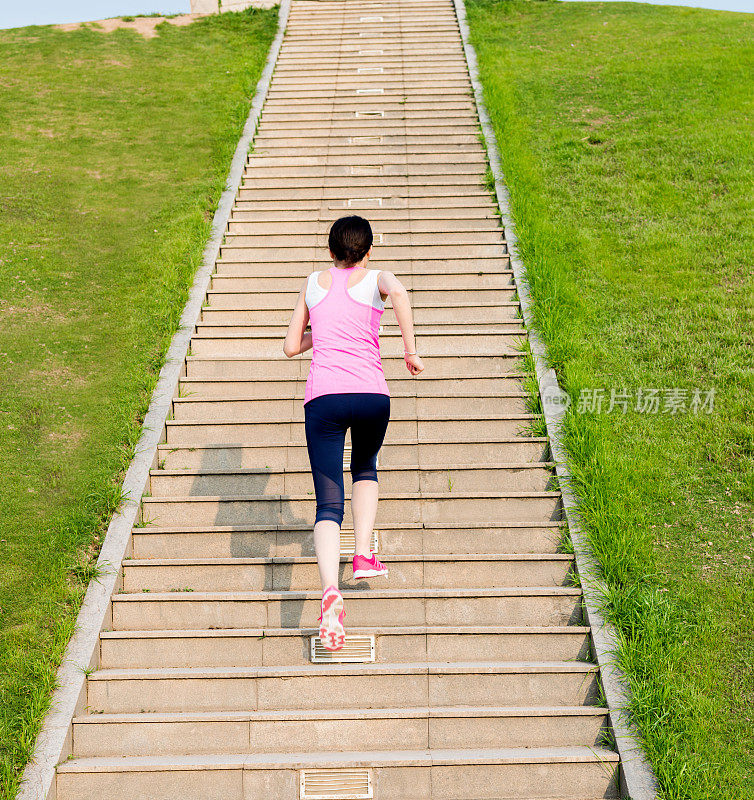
column 413, row 728
column 458, row 314
column 476, row 205
column 388, row 227
column 395, row 140
column 396, row 190
column 194, row 433
column 364, row 97
column 567, row 773
column 520, row 606
column 415, row 274
column 420, row 165
column 388, row 328
column 290, row 408
column 433, row 507
column 239, row 272
column 254, row 540
column 138, row 649
column 437, row 296
column 294, row 456
column 233, row 481
column 442, row 54
column 341, row 686
column 430, row 343
column 438, row 160
column 374, row 124
column 463, row 242
column 458, row 213
column 301, row 573
column 361, row 177
column 446, row 365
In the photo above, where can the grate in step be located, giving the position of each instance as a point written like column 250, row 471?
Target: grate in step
column 357, row 649
column 348, row 542
column 329, row 784
column 364, row 202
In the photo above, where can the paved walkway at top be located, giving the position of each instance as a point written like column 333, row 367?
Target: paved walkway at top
column 467, row 672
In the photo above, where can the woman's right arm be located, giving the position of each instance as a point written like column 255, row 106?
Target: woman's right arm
column 390, row 285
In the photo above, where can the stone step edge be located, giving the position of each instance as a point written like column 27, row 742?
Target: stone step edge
column 383, row 758
column 387, row 558
column 419, row 327
column 271, row 445
column 281, row 359
column 406, row 379
column 172, row 423
column 398, row 630
column 325, row 670
column 399, row 712
column 418, row 496
column 510, row 393
column 459, row 304
column 521, row 465
column 467, row 527
column 275, row 595
column 254, row 336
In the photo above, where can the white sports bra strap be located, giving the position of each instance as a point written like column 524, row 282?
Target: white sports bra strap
column 314, row 292
column 366, row 290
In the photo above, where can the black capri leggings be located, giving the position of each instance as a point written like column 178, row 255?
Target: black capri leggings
column 326, row 419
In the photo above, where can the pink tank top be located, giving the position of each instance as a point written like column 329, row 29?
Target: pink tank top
column 345, row 337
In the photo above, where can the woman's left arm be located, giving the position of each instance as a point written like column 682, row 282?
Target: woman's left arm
column 297, row 340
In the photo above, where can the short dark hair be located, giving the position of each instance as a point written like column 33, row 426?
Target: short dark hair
column 350, row 239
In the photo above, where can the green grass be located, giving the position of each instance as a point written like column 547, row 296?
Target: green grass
column 113, row 153
column 625, row 132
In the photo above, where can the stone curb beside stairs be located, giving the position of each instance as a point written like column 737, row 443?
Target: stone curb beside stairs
column 54, row 739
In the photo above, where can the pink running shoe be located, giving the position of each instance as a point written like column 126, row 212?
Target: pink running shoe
column 364, row 567
column 331, row 630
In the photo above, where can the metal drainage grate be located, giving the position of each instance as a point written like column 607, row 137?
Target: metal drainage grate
column 364, row 202
column 365, row 140
column 348, row 542
column 355, row 650
column 366, row 169
column 330, row 784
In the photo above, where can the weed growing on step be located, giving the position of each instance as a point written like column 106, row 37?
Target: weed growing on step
column 107, row 139
column 630, row 180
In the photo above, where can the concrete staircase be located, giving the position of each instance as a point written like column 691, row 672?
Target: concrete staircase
column 467, row 673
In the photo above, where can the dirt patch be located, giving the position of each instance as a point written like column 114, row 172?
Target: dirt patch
column 71, row 438
column 55, row 374
column 32, row 311
column 144, row 25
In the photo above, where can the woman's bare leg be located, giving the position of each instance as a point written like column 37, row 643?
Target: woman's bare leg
column 327, row 548
column 364, row 496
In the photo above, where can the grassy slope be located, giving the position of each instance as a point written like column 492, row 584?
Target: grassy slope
column 113, row 153
column 625, row 136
